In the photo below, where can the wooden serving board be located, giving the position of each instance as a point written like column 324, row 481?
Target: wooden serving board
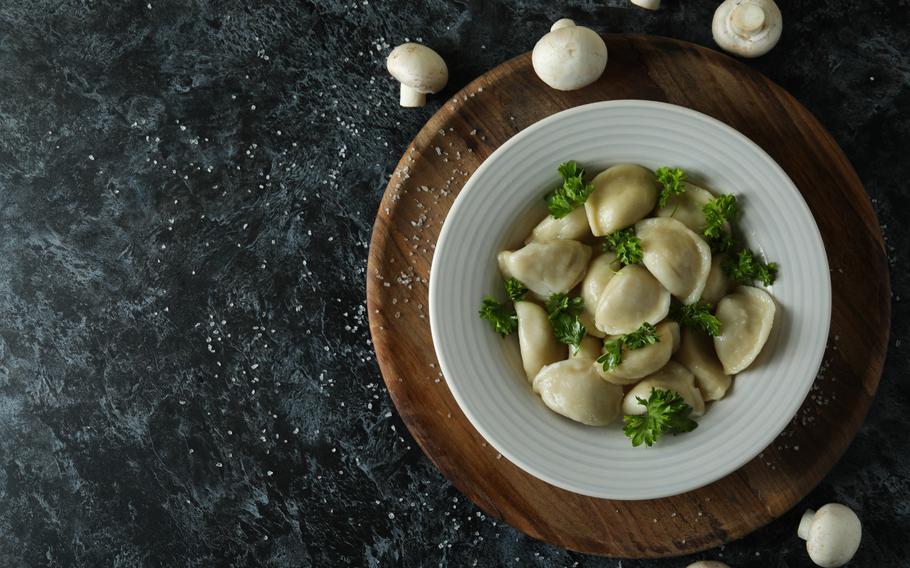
column 492, row 109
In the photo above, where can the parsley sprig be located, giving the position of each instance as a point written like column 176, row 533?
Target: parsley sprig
column 665, row 412
column 722, row 244
column 718, row 212
column 515, row 289
column 641, row 337
column 612, row 356
column 501, row 316
column 645, row 335
column 746, row 268
column 672, row 182
column 571, row 194
column 697, row 315
column 625, row 244
column 563, row 313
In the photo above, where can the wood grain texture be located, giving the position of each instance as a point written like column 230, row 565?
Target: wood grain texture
column 491, row 110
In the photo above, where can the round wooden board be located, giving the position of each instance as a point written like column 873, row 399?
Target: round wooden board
column 494, row 108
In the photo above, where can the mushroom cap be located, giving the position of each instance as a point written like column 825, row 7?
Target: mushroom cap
column 563, row 23
column 570, row 57
column 834, row 535
column 708, row 564
column 648, row 5
column 748, row 28
column 418, row 67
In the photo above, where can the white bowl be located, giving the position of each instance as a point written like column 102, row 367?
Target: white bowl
column 497, row 208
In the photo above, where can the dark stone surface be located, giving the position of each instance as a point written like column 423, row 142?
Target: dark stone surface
column 186, row 194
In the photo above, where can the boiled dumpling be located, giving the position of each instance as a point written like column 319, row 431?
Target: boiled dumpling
column 573, row 226
column 622, row 195
column 696, row 353
column 717, row 285
column 629, row 299
column 673, row 377
column 547, row 268
column 589, row 348
column 637, row 363
column 599, row 274
column 535, row 338
column 676, row 256
column 587, row 320
column 746, row 317
column 573, row 389
column 687, row 208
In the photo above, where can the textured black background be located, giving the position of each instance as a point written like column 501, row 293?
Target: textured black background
column 186, row 196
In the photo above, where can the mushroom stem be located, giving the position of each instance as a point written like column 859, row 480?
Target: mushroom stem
column 411, row 97
column 746, row 19
column 805, row 524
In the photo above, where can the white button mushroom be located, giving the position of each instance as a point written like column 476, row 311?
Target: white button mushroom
column 708, row 564
column 832, row 534
column 647, row 4
column 420, row 70
column 569, row 57
column 563, row 23
column 748, row 28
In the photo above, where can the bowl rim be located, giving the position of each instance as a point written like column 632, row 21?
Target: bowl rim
column 769, row 435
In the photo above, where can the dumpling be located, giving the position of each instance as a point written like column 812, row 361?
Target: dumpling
column 590, row 348
column 717, row 284
column 676, row 256
column 673, row 377
column 688, row 207
column 637, row 363
column 547, row 268
column 573, row 389
column 629, row 299
column 746, row 317
column 535, row 339
column 587, row 320
column 573, row 226
column 599, row 273
column 696, row 353
column 622, row 195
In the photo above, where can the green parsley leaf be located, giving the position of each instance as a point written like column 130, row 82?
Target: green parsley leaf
column 746, row 268
column 612, row 358
column 515, row 289
column 559, row 304
column 665, row 412
column 563, row 314
column 571, row 194
column 644, row 335
column 722, row 244
column 570, row 169
column 672, row 182
column 625, row 244
column 502, row 319
column 718, row 212
column 697, row 315
column 569, row 330
column 767, row 273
